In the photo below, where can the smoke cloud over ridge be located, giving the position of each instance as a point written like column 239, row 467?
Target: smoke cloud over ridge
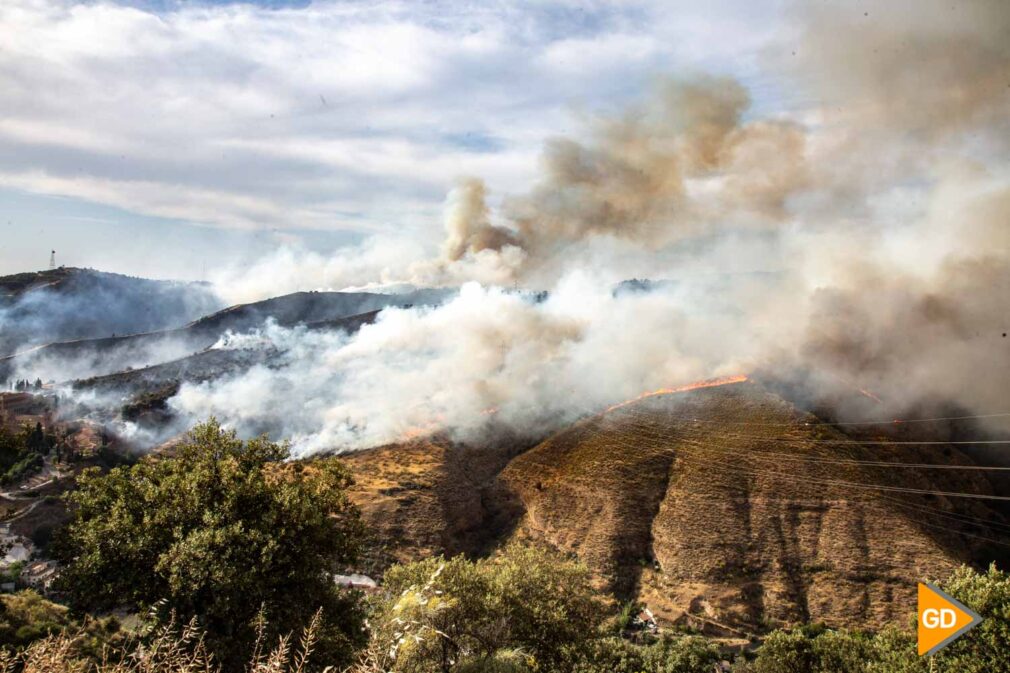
column 864, row 240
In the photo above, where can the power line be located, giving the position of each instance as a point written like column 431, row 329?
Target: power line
column 954, row 531
column 801, row 423
column 695, row 450
column 899, row 421
column 875, row 442
column 959, row 517
column 751, row 455
column 865, row 486
column 854, row 461
column 752, row 472
column 969, row 518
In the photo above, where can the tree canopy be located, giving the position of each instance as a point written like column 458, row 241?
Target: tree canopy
column 815, row 649
column 218, row 531
column 525, row 609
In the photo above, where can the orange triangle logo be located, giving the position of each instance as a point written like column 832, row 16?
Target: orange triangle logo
column 942, row 619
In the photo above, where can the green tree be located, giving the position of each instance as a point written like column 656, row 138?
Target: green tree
column 986, row 648
column 218, row 531
column 525, row 609
column 687, row 654
column 13, row 447
column 36, row 441
column 815, row 649
column 17, row 457
column 669, row 654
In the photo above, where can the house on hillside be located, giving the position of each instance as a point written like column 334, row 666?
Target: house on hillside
column 645, row 621
column 40, row 575
column 356, row 581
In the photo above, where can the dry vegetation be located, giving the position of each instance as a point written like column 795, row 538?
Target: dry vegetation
column 737, row 518
column 168, row 649
column 425, row 497
column 733, row 523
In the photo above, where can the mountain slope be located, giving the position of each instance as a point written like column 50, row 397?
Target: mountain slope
column 133, row 393
column 69, row 303
column 86, row 358
column 737, row 518
column 724, row 508
column 426, row 496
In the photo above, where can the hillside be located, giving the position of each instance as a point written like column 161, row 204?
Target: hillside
column 716, row 507
column 70, row 303
column 85, row 358
column 141, row 394
column 736, row 517
column 426, row 496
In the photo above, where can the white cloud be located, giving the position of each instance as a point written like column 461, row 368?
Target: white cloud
column 336, row 115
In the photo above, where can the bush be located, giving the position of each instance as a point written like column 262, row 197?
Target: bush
column 613, row 655
column 26, row 617
column 684, row 654
column 165, row 650
column 687, row 654
column 986, row 648
column 218, row 532
column 814, row 650
column 526, row 608
column 25, row 467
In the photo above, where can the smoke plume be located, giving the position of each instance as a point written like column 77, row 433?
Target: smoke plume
column 863, row 241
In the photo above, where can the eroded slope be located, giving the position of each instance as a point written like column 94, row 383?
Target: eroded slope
column 727, row 507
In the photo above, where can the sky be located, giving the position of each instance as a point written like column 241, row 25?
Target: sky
column 160, row 137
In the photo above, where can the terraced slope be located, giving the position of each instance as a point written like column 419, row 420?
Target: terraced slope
column 719, row 507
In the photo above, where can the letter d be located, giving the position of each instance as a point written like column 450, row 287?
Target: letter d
column 947, row 618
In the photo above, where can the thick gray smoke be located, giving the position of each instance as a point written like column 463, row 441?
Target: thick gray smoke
column 865, row 240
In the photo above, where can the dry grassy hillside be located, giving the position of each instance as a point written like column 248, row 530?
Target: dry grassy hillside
column 724, row 507
column 425, row 497
column 752, row 514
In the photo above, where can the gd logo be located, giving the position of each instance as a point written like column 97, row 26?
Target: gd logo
column 942, row 619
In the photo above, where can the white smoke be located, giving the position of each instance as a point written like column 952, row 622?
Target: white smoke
column 865, row 241
column 486, row 358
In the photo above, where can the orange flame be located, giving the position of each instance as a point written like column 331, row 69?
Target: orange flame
column 707, row 383
column 873, row 397
column 422, row 430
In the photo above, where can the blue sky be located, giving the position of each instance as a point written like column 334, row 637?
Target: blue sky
column 149, row 137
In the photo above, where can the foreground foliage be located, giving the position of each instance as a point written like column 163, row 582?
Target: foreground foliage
column 530, row 611
column 524, row 610
column 218, row 532
column 984, row 649
column 164, row 650
column 26, row 617
column 669, row 654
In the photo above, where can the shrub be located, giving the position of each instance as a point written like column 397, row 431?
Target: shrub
column 670, row 654
column 218, row 532
column 984, row 649
column 524, row 608
column 166, row 649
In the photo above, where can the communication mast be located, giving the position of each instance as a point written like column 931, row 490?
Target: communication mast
column 52, row 260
